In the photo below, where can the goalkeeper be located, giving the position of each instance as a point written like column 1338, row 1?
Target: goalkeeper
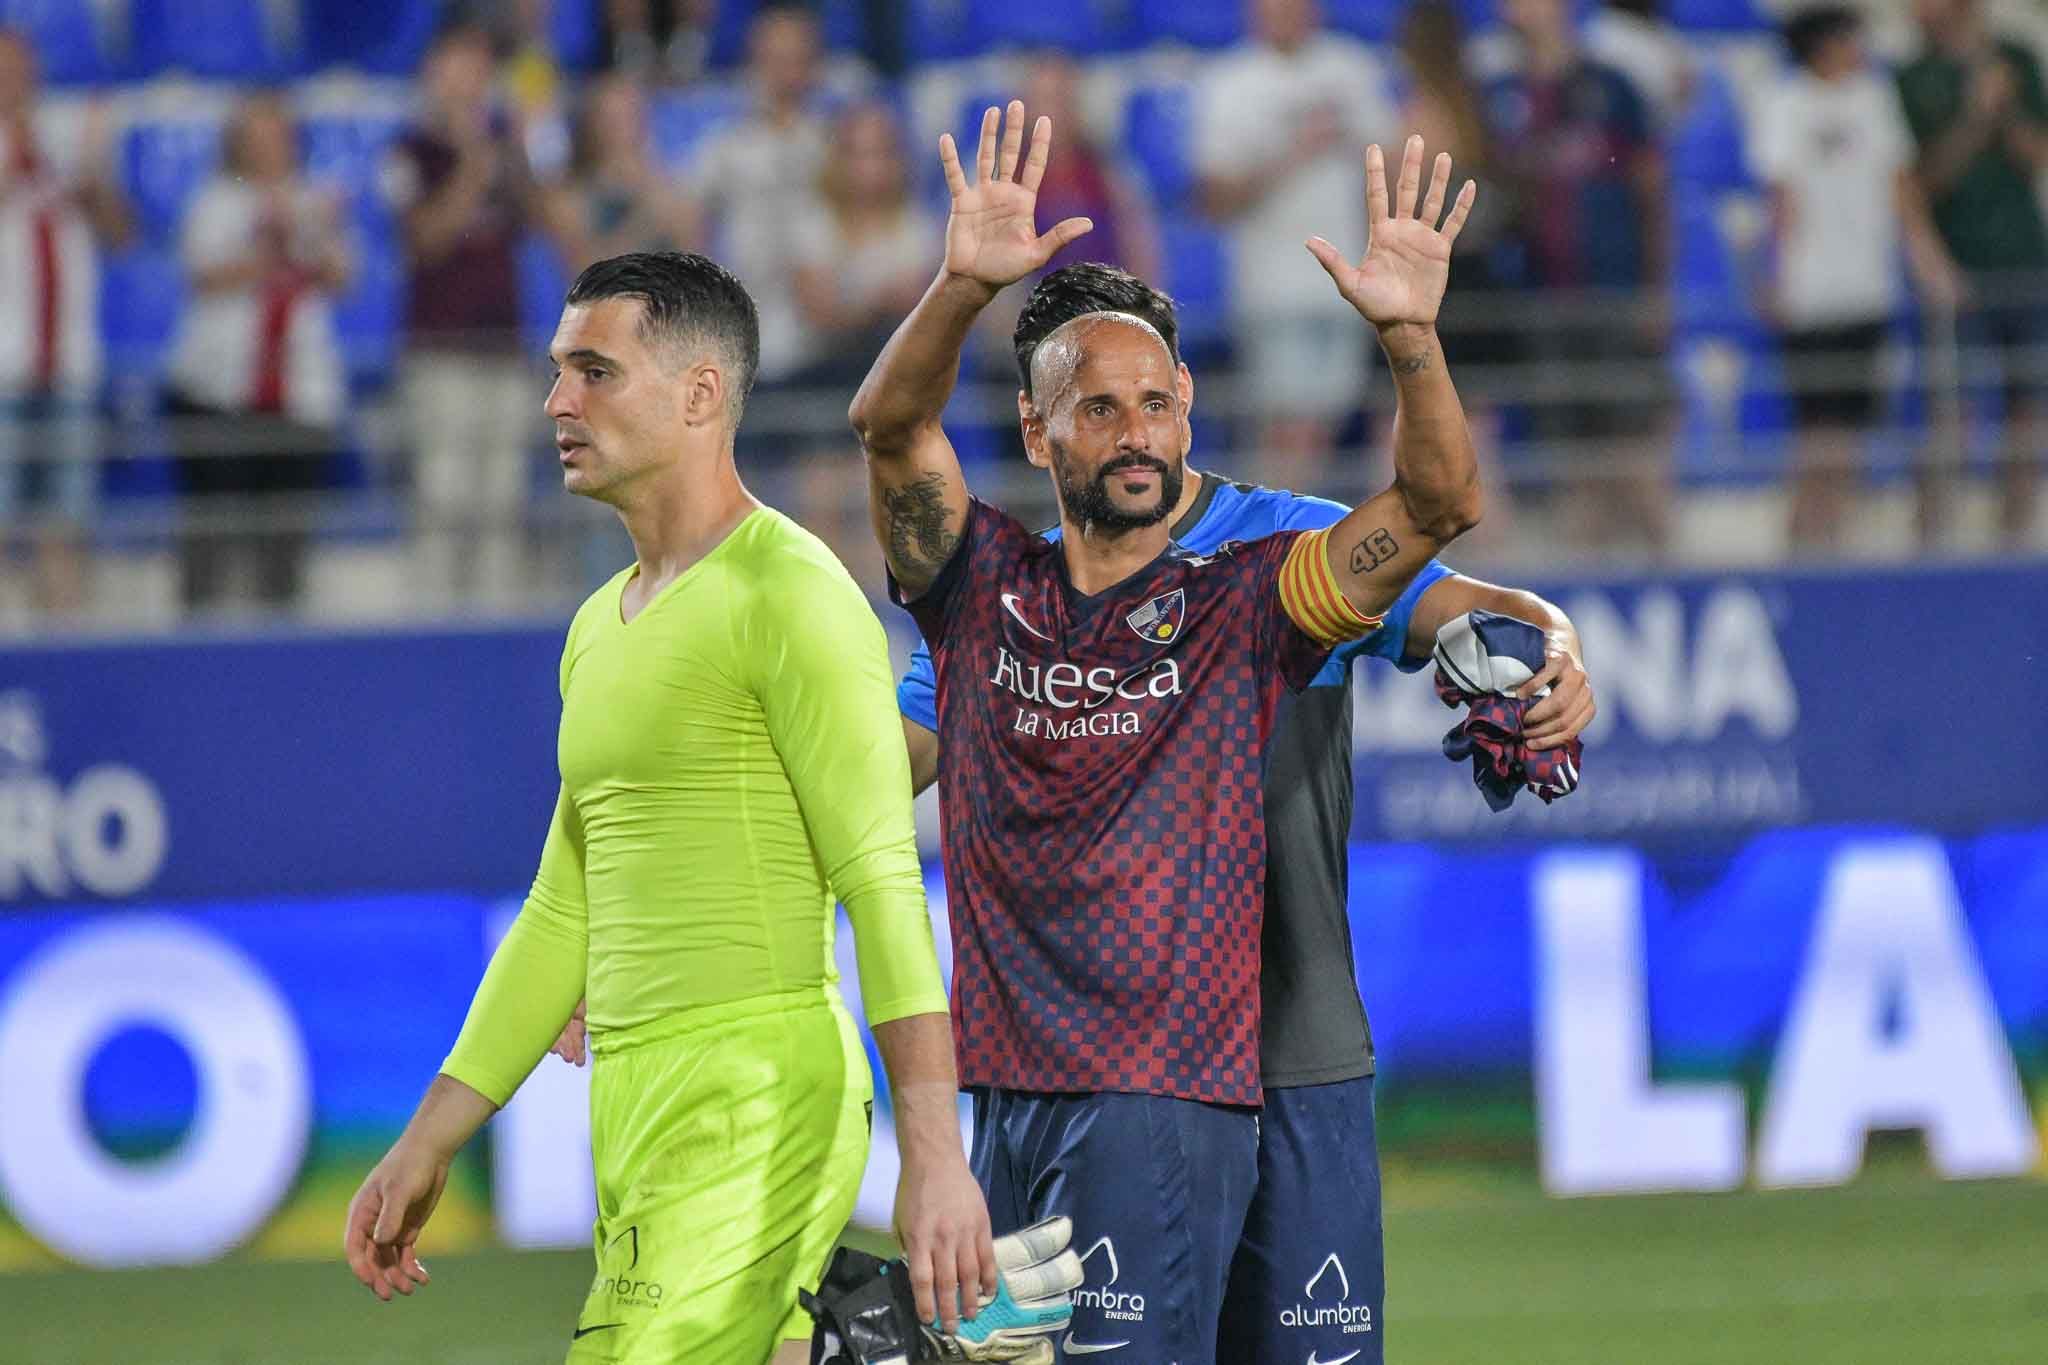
column 730, row 762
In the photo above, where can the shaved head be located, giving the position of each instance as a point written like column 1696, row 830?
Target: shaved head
column 1065, row 349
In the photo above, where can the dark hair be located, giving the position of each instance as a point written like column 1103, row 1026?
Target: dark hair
column 1074, row 291
column 684, row 297
column 1810, row 30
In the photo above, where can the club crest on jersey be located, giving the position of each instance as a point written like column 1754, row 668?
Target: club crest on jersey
column 1159, row 620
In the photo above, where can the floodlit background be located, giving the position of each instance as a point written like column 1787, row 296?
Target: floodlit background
column 1738, row 1055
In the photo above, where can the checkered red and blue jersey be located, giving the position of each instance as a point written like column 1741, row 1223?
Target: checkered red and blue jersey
column 1100, row 789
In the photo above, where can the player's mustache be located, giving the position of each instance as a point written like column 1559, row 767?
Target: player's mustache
column 1151, row 462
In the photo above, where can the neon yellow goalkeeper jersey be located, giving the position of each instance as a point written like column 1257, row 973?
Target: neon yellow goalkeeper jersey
column 731, row 759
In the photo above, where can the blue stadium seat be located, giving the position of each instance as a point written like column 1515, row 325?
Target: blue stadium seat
column 576, row 31
column 142, row 293
column 67, row 37
column 1198, row 276
column 544, row 278
column 682, row 119
column 1078, row 26
column 382, row 37
column 162, row 163
column 347, row 150
column 1719, row 16
column 212, row 39
column 1374, row 21
column 1707, row 147
column 370, row 313
column 1202, row 23
column 940, row 30
column 1159, row 137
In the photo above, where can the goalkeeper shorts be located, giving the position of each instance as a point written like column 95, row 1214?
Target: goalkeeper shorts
column 729, row 1144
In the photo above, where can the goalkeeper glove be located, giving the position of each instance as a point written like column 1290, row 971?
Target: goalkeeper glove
column 867, row 1313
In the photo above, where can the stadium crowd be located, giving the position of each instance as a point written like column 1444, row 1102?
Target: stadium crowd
column 1746, row 282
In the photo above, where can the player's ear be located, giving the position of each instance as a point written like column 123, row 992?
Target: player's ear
column 703, row 394
column 1184, row 385
column 1031, row 423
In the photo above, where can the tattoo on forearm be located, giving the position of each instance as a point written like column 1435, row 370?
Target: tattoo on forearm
column 916, row 514
column 1375, row 550
column 1414, row 364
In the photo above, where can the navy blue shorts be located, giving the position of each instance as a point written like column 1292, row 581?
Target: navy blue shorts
column 1309, row 1284
column 1158, row 1190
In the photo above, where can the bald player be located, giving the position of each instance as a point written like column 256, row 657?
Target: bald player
column 1105, row 705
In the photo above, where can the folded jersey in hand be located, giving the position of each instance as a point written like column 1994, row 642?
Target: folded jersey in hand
column 1481, row 658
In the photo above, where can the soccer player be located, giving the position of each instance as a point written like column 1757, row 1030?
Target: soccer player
column 729, row 765
column 1318, row 1189
column 1106, row 704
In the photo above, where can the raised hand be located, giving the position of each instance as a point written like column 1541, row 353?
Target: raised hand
column 1407, row 258
column 992, row 236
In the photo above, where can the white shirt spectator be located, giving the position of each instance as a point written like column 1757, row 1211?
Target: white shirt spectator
column 1251, row 105
column 760, row 183
column 49, row 277
column 868, row 274
column 1835, row 148
column 231, row 340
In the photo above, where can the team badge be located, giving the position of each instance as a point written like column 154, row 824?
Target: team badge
column 1159, row 620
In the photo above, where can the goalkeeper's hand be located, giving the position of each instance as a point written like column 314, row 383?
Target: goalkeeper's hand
column 1037, row 1274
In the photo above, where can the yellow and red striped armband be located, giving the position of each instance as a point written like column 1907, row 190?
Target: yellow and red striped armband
column 1312, row 599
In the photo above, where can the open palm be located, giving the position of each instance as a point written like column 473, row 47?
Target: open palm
column 992, row 236
column 1407, row 259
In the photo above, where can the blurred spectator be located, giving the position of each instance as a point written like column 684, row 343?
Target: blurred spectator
column 1443, row 105
column 659, row 39
column 616, row 200
column 1833, row 146
column 460, row 183
column 1636, row 38
column 1280, row 135
column 864, row 248
column 1085, row 179
column 865, row 253
column 55, row 214
column 1593, row 219
column 759, row 178
column 1975, row 103
column 256, row 376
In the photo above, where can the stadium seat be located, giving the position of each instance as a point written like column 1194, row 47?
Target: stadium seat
column 347, row 150
column 1200, row 23
column 162, row 163
column 369, row 315
column 1198, row 276
column 1718, row 16
column 67, row 36
column 1373, row 21
column 1079, row 26
column 940, row 30
column 576, row 31
column 681, row 120
column 1159, row 137
column 213, row 39
column 381, row 37
column 142, row 294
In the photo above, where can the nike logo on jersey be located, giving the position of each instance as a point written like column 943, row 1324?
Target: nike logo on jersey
column 1314, row 1359
column 608, row 1326
column 1010, row 601
column 1077, row 1348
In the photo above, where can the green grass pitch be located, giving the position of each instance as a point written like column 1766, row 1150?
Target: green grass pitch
column 1896, row 1268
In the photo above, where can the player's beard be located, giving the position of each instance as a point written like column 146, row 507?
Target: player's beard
column 1088, row 502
